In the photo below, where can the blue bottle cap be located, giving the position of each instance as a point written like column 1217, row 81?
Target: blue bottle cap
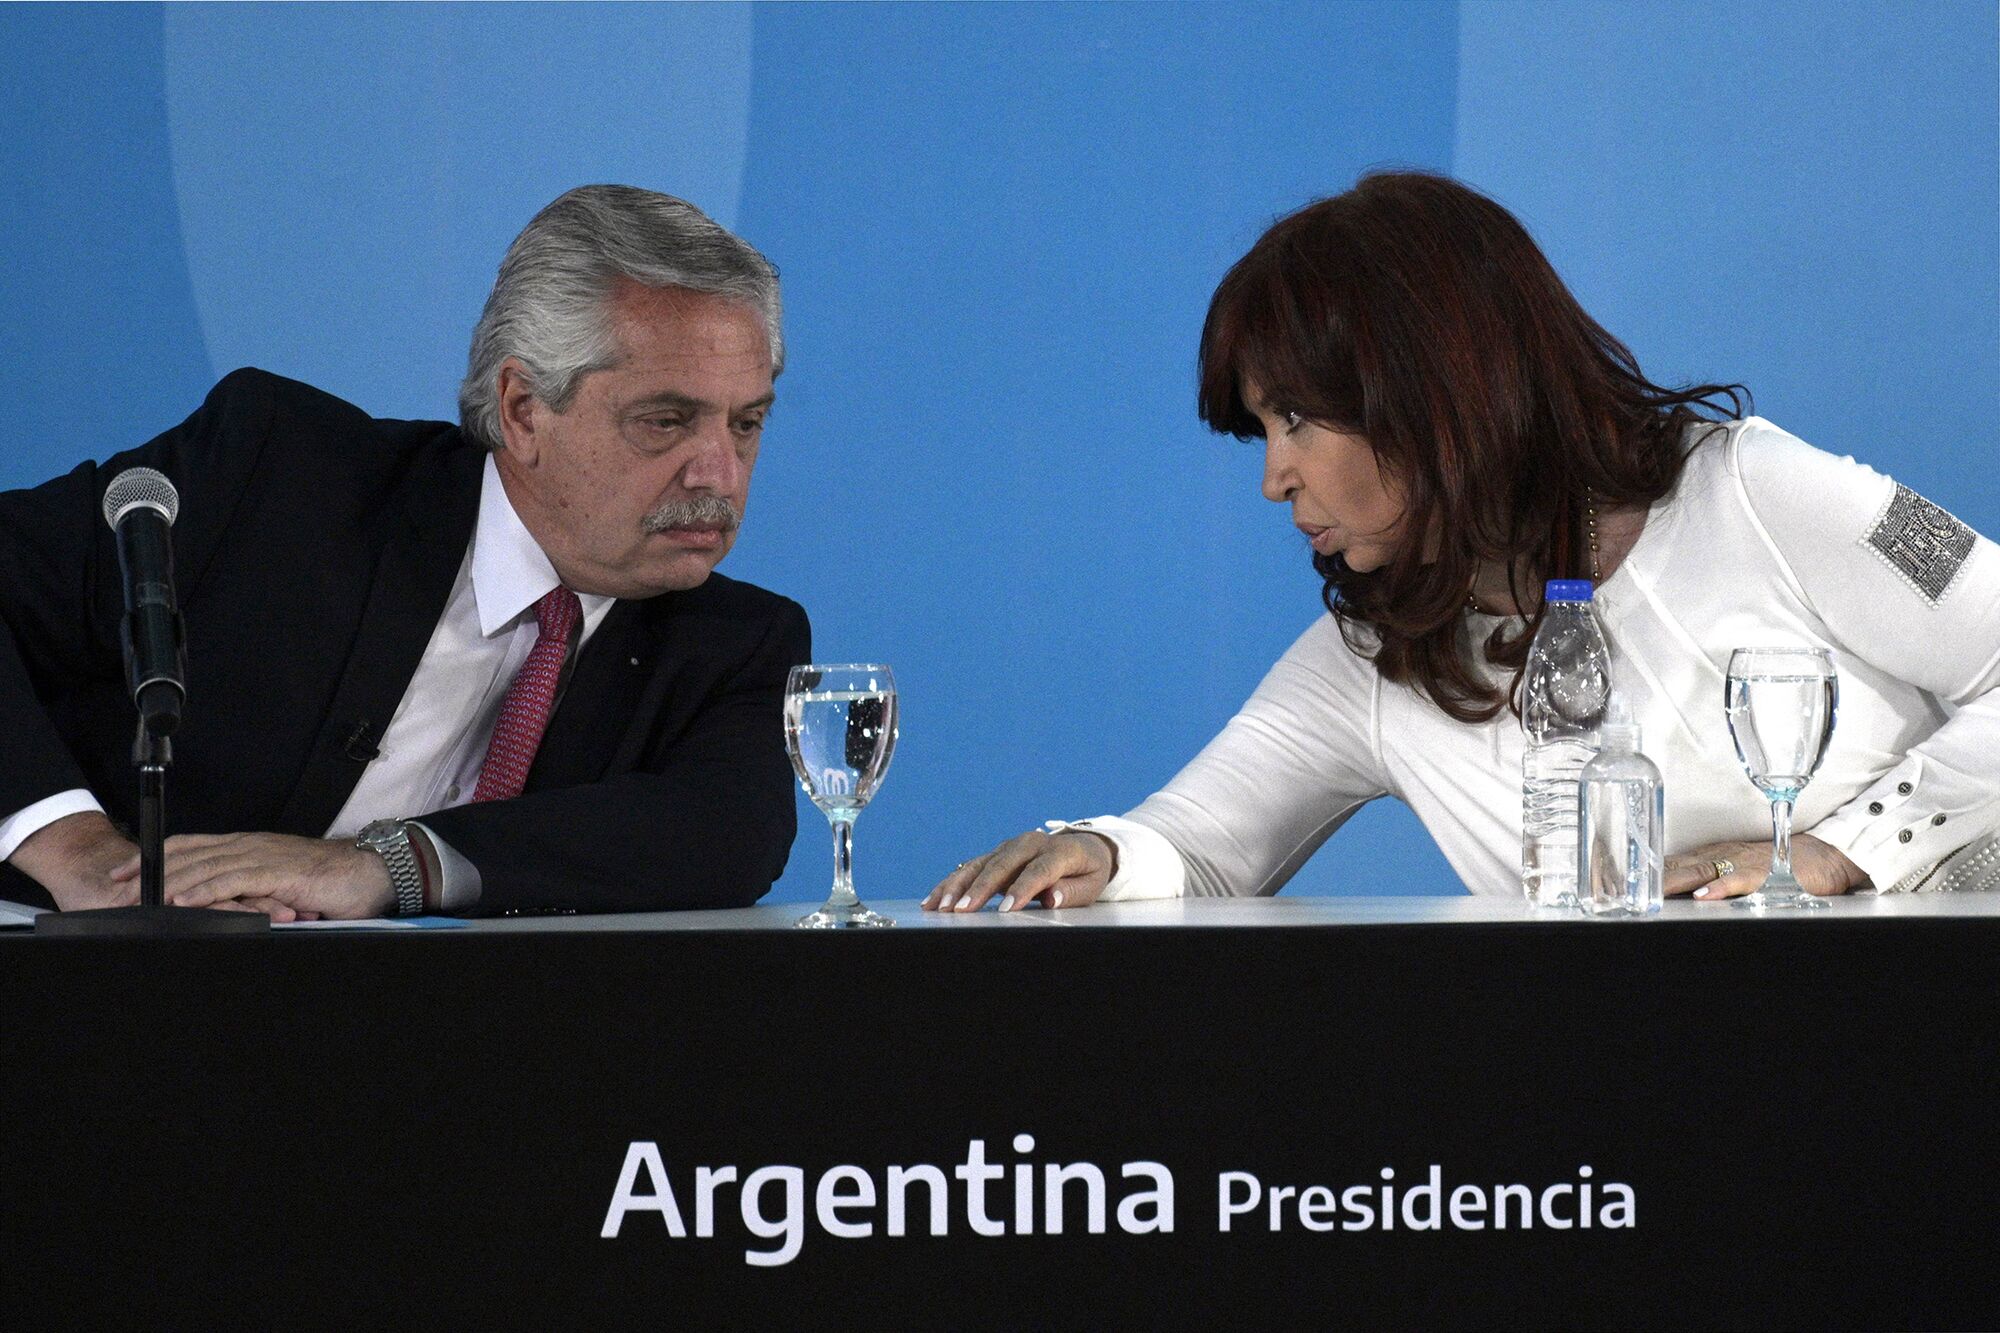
column 1567, row 590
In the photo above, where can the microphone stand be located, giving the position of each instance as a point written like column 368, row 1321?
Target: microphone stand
column 151, row 754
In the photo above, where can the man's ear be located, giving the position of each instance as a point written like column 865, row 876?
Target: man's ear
column 520, row 414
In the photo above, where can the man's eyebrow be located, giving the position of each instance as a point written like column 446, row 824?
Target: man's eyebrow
column 665, row 398
column 668, row 398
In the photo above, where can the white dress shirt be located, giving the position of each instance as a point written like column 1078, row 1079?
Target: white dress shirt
column 1764, row 541
column 429, row 756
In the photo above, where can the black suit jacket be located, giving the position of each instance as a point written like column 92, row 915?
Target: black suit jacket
column 314, row 553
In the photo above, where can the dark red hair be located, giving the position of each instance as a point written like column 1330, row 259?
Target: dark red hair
column 1419, row 314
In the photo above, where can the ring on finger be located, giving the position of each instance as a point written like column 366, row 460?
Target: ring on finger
column 1723, row 867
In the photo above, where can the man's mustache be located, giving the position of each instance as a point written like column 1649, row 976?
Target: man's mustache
column 697, row 511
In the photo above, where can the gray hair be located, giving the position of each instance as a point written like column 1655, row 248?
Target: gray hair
column 548, row 306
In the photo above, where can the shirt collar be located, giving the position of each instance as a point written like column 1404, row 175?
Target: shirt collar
column 509, row 571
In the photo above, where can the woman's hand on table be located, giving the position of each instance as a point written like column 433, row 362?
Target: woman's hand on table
column 1732, row 869
column 1057, row 870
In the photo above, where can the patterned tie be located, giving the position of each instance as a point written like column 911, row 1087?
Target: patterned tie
column 524, row 713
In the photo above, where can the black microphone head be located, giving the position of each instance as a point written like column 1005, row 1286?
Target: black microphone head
column 140, row 488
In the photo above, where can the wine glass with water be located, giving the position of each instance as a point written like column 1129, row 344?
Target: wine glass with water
column 1781, row 703
column 840, row 729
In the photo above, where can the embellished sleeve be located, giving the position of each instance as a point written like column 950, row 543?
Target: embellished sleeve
column 1907, row 587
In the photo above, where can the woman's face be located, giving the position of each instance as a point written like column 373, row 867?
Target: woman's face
column 1339, row 497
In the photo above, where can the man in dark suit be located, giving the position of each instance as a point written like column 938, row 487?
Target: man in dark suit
column 471, row 669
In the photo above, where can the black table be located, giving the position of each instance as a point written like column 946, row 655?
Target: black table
column 330, row 1127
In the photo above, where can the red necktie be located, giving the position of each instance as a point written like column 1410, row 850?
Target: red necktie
column 524, row 713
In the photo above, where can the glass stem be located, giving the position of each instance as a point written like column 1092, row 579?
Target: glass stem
column 843, row 859
column 1781, row 840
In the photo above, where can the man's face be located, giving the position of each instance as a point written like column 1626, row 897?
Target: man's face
column 637, row 487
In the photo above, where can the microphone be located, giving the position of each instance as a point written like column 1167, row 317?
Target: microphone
column 140, row 505
column 362, row 744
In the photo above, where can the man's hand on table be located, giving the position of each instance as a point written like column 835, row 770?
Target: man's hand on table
column 287, row 877
column 1058, row 870
column 1819, row 868
column 75, row 858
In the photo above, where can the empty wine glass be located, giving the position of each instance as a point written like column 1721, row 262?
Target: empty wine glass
column 840, row 729
column 1781, row 703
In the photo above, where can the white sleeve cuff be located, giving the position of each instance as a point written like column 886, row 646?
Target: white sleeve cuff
column 461, row 885
column 1148, row 865
column 1906, row 823
column 18, row 827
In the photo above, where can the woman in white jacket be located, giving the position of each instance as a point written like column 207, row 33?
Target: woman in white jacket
column 1449, row 429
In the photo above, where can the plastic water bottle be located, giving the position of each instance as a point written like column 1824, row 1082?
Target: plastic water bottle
column 1568, row 682
column 1622, row 823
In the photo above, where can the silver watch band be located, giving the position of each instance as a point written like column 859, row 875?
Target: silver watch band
column 390, row 840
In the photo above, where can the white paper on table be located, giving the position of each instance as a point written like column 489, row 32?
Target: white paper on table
column 372, row 923
column 18, row 914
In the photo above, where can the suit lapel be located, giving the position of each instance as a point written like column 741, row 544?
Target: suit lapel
column 419, row 560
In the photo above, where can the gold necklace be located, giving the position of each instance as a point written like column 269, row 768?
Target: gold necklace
column 1590, row 528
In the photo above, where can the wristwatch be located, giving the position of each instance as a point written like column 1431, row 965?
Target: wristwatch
column 390, row 840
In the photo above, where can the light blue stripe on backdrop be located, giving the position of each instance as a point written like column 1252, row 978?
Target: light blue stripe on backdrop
column 99, row 341
column 348, row 175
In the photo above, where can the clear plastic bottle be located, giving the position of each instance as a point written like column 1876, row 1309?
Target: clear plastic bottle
column 1622, row 823
column 1567, row 683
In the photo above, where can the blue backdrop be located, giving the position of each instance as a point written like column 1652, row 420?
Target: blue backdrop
column 998, row 228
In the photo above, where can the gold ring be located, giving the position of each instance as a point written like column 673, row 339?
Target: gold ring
column 1723, row 867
